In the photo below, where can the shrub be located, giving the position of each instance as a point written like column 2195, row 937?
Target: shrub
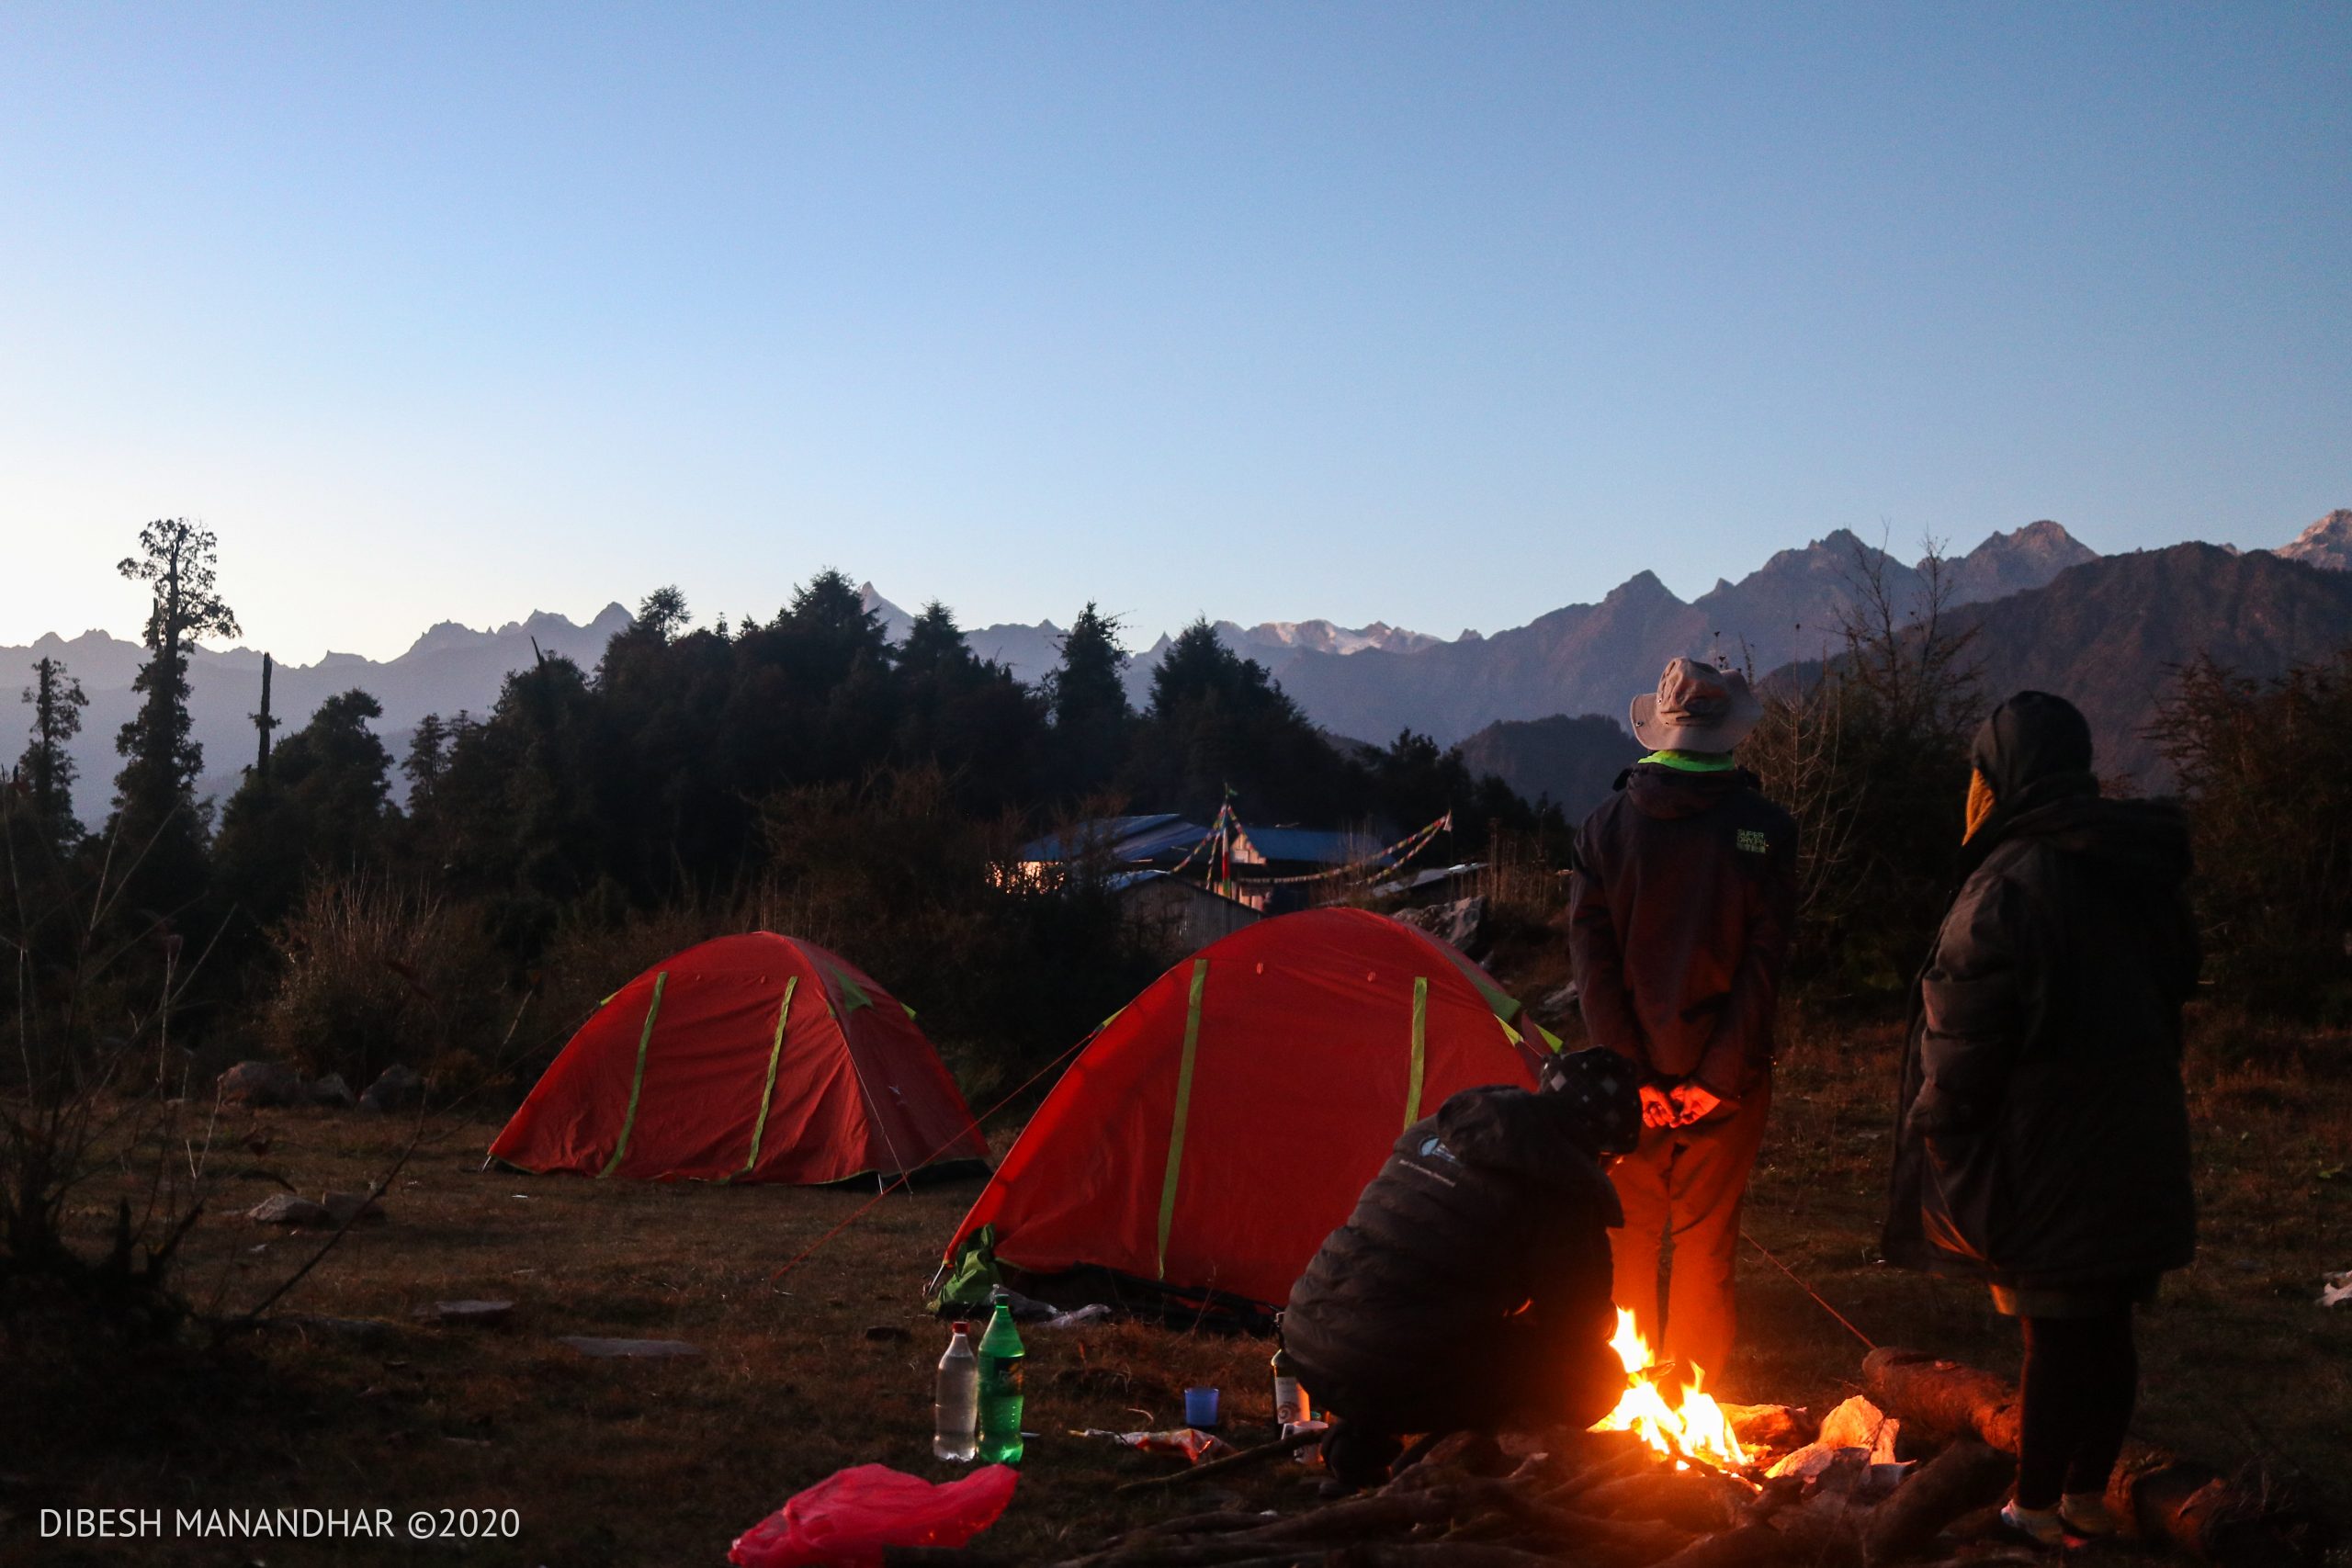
column 375, row 972
column 2267, row 769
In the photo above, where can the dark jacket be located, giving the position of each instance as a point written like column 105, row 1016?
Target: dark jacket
column 2042, row 1134
column 1679, row 916
column 1486, row 1228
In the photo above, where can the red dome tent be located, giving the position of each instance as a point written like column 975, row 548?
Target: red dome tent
column 748, row 1058
column 1218, row 1128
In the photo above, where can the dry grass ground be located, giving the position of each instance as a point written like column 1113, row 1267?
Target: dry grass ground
column 619, row 1462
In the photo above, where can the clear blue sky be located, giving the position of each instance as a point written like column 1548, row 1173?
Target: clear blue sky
column 1441, row 314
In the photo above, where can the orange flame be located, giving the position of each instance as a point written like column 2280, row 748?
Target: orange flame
column 1698, row 1430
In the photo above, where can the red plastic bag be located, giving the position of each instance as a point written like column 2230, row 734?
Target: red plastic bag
column 846, row 1519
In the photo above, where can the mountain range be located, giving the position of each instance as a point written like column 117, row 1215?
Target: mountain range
column 2048, row 610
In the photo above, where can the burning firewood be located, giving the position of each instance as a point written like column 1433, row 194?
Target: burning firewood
column 1646, row 1493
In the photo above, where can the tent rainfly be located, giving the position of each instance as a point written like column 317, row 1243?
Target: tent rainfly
column 756, row 1057
column 1220, row 1125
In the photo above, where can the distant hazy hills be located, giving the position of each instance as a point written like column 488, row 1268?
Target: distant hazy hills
column 447, row 669
column 2050, row 613
column 2102, row 635
column 1592, row 658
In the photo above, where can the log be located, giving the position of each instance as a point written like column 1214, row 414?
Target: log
column 1631, row 1457
column 1212, row 1551
column 1221, row 1521
column 1965, row 1476
column 1634, row 1543
column 1383, row 1515
column 1427, row 1476
column 1749, row 1546
column 1691, row 1500
column 2241, row 1522
column 1947, row 1398
column 1476, row 1452
column 1439, row 1554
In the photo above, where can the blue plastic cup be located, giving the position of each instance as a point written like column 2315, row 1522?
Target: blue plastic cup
column 1200, row 1408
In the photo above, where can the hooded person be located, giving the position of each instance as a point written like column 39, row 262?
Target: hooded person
column 1679, row 915
column 2043, row 1131
column 1469, row 1290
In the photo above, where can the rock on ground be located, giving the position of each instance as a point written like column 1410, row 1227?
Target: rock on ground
column 1461, row 923
column 398, row 1088
column 285, row 1209
column 471, row 1314
column 632, row 1350
column 365, row 1332
column 261, row 1084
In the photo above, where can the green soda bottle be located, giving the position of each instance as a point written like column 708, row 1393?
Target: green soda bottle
column 1001, row 1356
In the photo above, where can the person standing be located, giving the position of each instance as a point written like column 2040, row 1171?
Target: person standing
column 1680, row 911
column 2042, row 1131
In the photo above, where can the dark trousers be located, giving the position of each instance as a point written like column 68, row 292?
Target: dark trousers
column 2081, row 1378
column 1519, row 1374
column 1687, row 1182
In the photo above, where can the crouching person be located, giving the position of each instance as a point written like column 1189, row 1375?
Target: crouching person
column 1470, row 1288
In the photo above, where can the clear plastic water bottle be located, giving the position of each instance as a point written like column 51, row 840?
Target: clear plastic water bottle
column 1001, row 1354
column 955, row 1415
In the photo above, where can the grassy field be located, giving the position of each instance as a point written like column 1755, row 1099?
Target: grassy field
column 632, row 1463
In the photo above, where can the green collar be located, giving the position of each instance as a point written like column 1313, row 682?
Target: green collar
column 1692, row 761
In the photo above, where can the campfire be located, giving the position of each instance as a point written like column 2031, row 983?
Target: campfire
column 1698, row 1429
column 1704, row 1484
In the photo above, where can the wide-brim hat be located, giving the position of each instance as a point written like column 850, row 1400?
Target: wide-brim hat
column 1696, row 707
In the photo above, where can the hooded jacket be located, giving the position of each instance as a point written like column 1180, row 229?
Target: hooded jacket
column 2043, row 1131
column 1680, row 916
column 1489, row 1214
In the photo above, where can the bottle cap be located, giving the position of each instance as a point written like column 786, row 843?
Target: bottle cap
column 960, row 1326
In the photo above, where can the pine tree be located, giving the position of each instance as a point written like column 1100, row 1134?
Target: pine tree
column 324, row 808
column 936, row 647
column 47, row 768
column 830, row 606
column 1088, row 696
column 157, row 823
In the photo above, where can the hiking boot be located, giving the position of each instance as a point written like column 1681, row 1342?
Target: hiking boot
column 2044, row 1527
column 2085, row 1513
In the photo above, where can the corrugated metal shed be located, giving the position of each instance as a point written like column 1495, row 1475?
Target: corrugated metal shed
column 1302, row 846
column 1118, row 838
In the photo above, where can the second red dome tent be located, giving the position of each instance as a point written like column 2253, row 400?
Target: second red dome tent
column 1224, row 1122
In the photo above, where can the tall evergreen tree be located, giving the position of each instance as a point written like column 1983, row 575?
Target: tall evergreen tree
column 1218, row 721
column 1087, row 695
column 157, row 822
column 965, row 714
column 324, row 807
column 936, row 646
column 830, row 608
column 47, row 768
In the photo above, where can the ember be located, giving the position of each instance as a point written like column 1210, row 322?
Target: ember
column 1698, row 1430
